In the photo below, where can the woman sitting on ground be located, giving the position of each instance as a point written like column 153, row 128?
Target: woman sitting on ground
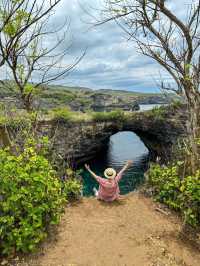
column 108, row 187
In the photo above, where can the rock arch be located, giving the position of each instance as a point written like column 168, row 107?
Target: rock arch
column 81, row 141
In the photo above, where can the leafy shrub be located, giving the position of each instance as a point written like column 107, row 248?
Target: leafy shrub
column 71, row 185
column 181, row 194
column 62, row 96
column 16, row 118
column 117, row 116
column 23, row 119
column 166, row 183
column 3, row 120
column 177, row 104
column 84, row 101
column 190, row 189
column 71, row 189
column 157, row 113
column 62, row 114
column 30, row 198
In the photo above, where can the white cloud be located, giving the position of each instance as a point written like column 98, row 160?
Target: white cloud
column 111, row 61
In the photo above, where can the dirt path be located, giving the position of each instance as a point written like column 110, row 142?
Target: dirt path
column 130, row 233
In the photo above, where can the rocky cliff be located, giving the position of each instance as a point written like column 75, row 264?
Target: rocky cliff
column 81, row 141
column 82, row 99
column 107, row 102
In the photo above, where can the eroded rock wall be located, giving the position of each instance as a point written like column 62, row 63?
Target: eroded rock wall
column 81, row 141
column 78, row 141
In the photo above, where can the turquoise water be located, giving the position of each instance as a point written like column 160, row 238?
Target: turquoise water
column 122, row 146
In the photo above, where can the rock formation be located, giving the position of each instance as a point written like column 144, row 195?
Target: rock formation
column 81, row 141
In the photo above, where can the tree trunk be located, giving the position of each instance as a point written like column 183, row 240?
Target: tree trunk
column 26, row 102
column 194, row 129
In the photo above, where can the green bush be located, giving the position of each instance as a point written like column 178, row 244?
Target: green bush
column 86, row 102
column 71, row 189
column 3, row 120
column 71, row 185
column 182, row 194
column 30, row 198
column 166, row 183
column 190, row 188
column 117, row 116
column 176, row 104
column 61, row 97
column 15, row 118
column 62, row 114
column 157, row 113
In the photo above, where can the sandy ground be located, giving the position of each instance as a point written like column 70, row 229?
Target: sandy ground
column 129, row 233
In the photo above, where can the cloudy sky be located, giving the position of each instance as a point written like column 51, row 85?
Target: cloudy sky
column 111, row 61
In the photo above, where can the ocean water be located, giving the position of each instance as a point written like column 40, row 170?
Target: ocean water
column 122, row 146
column 146, row 107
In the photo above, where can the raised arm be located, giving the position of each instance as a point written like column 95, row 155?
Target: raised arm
column 87, row 167
column 126, row 166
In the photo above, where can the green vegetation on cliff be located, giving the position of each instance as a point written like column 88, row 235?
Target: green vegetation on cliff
column 181, row 193
column 116, row 116
column 32, row 197
column 83, row 99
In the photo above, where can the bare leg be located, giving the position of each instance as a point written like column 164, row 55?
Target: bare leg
column 95, row 192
